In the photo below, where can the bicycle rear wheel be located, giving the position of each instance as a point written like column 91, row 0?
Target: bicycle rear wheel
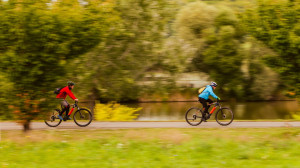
column 224, row 116
column 52, row 119
column 194, row 116
column 83, row 117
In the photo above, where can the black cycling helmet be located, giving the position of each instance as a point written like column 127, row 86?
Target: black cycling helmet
column 70, row 83
column 214, row 84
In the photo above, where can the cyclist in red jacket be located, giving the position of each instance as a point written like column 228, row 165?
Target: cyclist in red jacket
column 64, row 104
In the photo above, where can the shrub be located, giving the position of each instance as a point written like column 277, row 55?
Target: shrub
column 115, row 112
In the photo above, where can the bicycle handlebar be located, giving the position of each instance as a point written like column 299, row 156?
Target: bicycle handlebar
column 217, row 103
column 75, row 104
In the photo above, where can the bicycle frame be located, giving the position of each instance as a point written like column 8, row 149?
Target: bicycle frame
column 71, row 111
column 217, row 104
column 192, row 115
column 82, row 117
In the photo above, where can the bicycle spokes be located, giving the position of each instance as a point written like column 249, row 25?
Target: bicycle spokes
column 193, row 116
column 224, row 116
column 83, row 117
column 52, row 119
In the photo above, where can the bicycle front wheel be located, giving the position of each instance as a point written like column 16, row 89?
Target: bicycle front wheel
column 193, row 116
column 224, row 116
column 83, row 117
column 52, row 119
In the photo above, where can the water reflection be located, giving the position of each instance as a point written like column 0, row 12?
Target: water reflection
column 167, row 111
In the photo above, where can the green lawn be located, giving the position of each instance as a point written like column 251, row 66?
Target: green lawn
column 152, row 148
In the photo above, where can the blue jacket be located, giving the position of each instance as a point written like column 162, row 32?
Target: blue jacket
column 207, row 92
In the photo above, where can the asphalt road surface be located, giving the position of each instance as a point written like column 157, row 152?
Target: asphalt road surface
column 148, row 124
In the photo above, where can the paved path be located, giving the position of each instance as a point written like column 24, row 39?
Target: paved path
column 122, row 125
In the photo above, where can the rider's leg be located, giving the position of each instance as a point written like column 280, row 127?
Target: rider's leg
column 204, row 104
column 65, row 107
column 67, row 110
column 63, row 104
column 67, row 117
column 209, row 103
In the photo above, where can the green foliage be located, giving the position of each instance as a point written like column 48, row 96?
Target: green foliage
column 222, row 49
column 194, row 19
column 5, row 90
column 216, row 36
column 107, row 47
column 276, row 24
column 37, row 38
column 159, row 90
column 115, row 112
column 261, row 81
column 112, row 69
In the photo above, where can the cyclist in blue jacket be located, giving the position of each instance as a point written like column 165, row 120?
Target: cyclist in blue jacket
column 208, row 91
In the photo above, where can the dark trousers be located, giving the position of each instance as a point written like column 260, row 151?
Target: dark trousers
column 204, row 103
column 65, row 106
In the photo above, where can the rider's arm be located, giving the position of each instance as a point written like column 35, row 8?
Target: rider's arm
column 71, row 94
column 211, row 92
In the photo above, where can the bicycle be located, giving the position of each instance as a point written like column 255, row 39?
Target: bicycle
column 224, row 116
column 82, row 117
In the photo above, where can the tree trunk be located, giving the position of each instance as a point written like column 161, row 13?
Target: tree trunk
column 26, row 126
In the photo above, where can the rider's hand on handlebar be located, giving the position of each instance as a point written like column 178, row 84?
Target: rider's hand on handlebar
column 76, row 100
column 218, row 98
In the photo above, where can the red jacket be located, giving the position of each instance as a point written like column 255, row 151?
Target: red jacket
column 64, row 92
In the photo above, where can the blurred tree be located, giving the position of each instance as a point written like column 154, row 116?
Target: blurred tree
column 193, row 20
column 276, row 24
column 36, row 40
column 129, row 49
column 216, row 35
column 5, row 90
column 222, row 60
column 221, row 48
column 260, row 81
